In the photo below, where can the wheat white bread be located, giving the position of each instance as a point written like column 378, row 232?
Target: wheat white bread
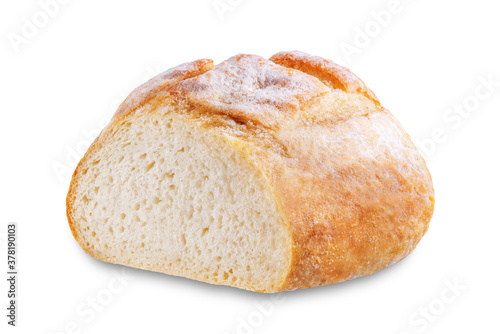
column 265, row 175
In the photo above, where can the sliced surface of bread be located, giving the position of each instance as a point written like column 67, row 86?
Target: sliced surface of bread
column 266, row 175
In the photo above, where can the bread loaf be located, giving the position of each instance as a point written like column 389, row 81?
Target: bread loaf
column 266, row 175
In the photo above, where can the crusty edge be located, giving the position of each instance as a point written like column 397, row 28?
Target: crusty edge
column 329, row 72
column 150, row 89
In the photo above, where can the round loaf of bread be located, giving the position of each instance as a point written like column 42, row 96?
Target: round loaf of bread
column 266, row 175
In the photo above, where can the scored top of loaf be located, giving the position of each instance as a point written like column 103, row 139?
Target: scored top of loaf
column 250, row 88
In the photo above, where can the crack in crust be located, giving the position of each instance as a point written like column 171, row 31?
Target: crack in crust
column 250, row 88
column 329, row 72
column 149, row 90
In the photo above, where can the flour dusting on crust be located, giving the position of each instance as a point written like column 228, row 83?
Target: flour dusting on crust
column 150, row 89
column 329, row 72
column 250, row 88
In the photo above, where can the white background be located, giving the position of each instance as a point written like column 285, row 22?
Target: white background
column 61, row 81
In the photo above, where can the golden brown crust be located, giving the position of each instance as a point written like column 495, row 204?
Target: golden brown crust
column 355, row 192
column 249, row 88
column 329, row 72
column 147, row 91
column 354, row 205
